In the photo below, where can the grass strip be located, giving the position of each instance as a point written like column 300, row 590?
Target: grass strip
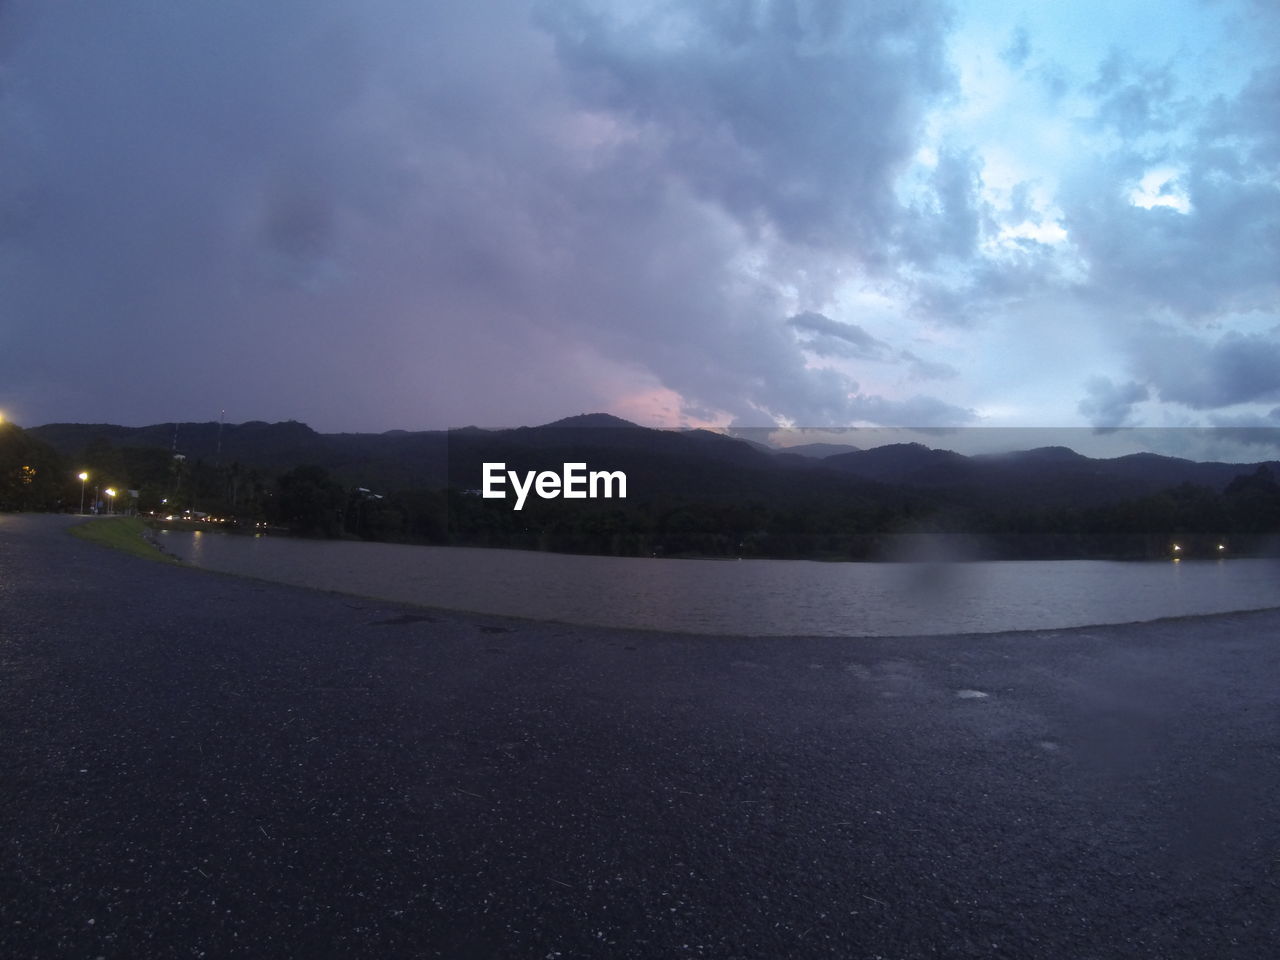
column 122, row 533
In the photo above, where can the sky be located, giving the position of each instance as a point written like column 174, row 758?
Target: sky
column 391, row 214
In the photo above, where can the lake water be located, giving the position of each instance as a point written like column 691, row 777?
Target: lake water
column 754, row 597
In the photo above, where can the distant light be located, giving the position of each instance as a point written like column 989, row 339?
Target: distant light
column 1176, row 548
column 1222, row 546
column 83, row 476
column 109, row 492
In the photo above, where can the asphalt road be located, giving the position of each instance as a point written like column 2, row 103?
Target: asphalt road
column 197, row 765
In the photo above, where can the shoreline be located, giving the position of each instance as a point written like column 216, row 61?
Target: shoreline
column 896, row 548
column 722, row 635
column 706, row 599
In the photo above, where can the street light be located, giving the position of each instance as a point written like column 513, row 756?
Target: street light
column 110, row 503
column 83, row 477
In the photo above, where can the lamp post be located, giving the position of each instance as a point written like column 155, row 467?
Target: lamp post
column 83, row 477
column 110, row 492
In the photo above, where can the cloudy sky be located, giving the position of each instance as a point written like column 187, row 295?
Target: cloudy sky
column 405, row 214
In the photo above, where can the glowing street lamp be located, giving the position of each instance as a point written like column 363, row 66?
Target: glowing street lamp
column 110, row 503
column 83, row 477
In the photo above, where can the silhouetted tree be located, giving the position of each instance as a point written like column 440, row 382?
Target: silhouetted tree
column 309, row 502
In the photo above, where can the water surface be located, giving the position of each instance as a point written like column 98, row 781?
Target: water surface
column 755, row 597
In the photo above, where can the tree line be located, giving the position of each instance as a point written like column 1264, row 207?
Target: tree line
column 759, row 515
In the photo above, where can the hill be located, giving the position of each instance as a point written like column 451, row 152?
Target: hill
column 689, row 491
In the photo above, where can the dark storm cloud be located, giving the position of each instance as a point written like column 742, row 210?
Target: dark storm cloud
column 827, row 337
column 398, row 214
column 916, row 412
column 1204, row 375
column 824, row 337
column 227, row 200
column 988, row 287
column 1220, row 252
column 297, row 222
column 949, row 225
column 1218, row 257
column 792, row 115
column 407, row 214
column 1256, row 113
column 1133, row 98
column 1110, row 405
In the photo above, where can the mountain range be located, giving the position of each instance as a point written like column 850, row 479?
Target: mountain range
column 664, row 461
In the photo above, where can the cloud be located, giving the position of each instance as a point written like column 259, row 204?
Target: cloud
column 946, row 218
column 1251, row 123
column 829, row 337
column 1110, row 405
column 1017, row 51
column 915, row 412
column 1134, row 98
column 1206, row 239
column 1250, row 430
column 825, row 337
column 1204, row 375
column 921, row 369
column 791, row 116
column 406, row 215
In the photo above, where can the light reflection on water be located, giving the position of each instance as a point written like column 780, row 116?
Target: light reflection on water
column 758, row 597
